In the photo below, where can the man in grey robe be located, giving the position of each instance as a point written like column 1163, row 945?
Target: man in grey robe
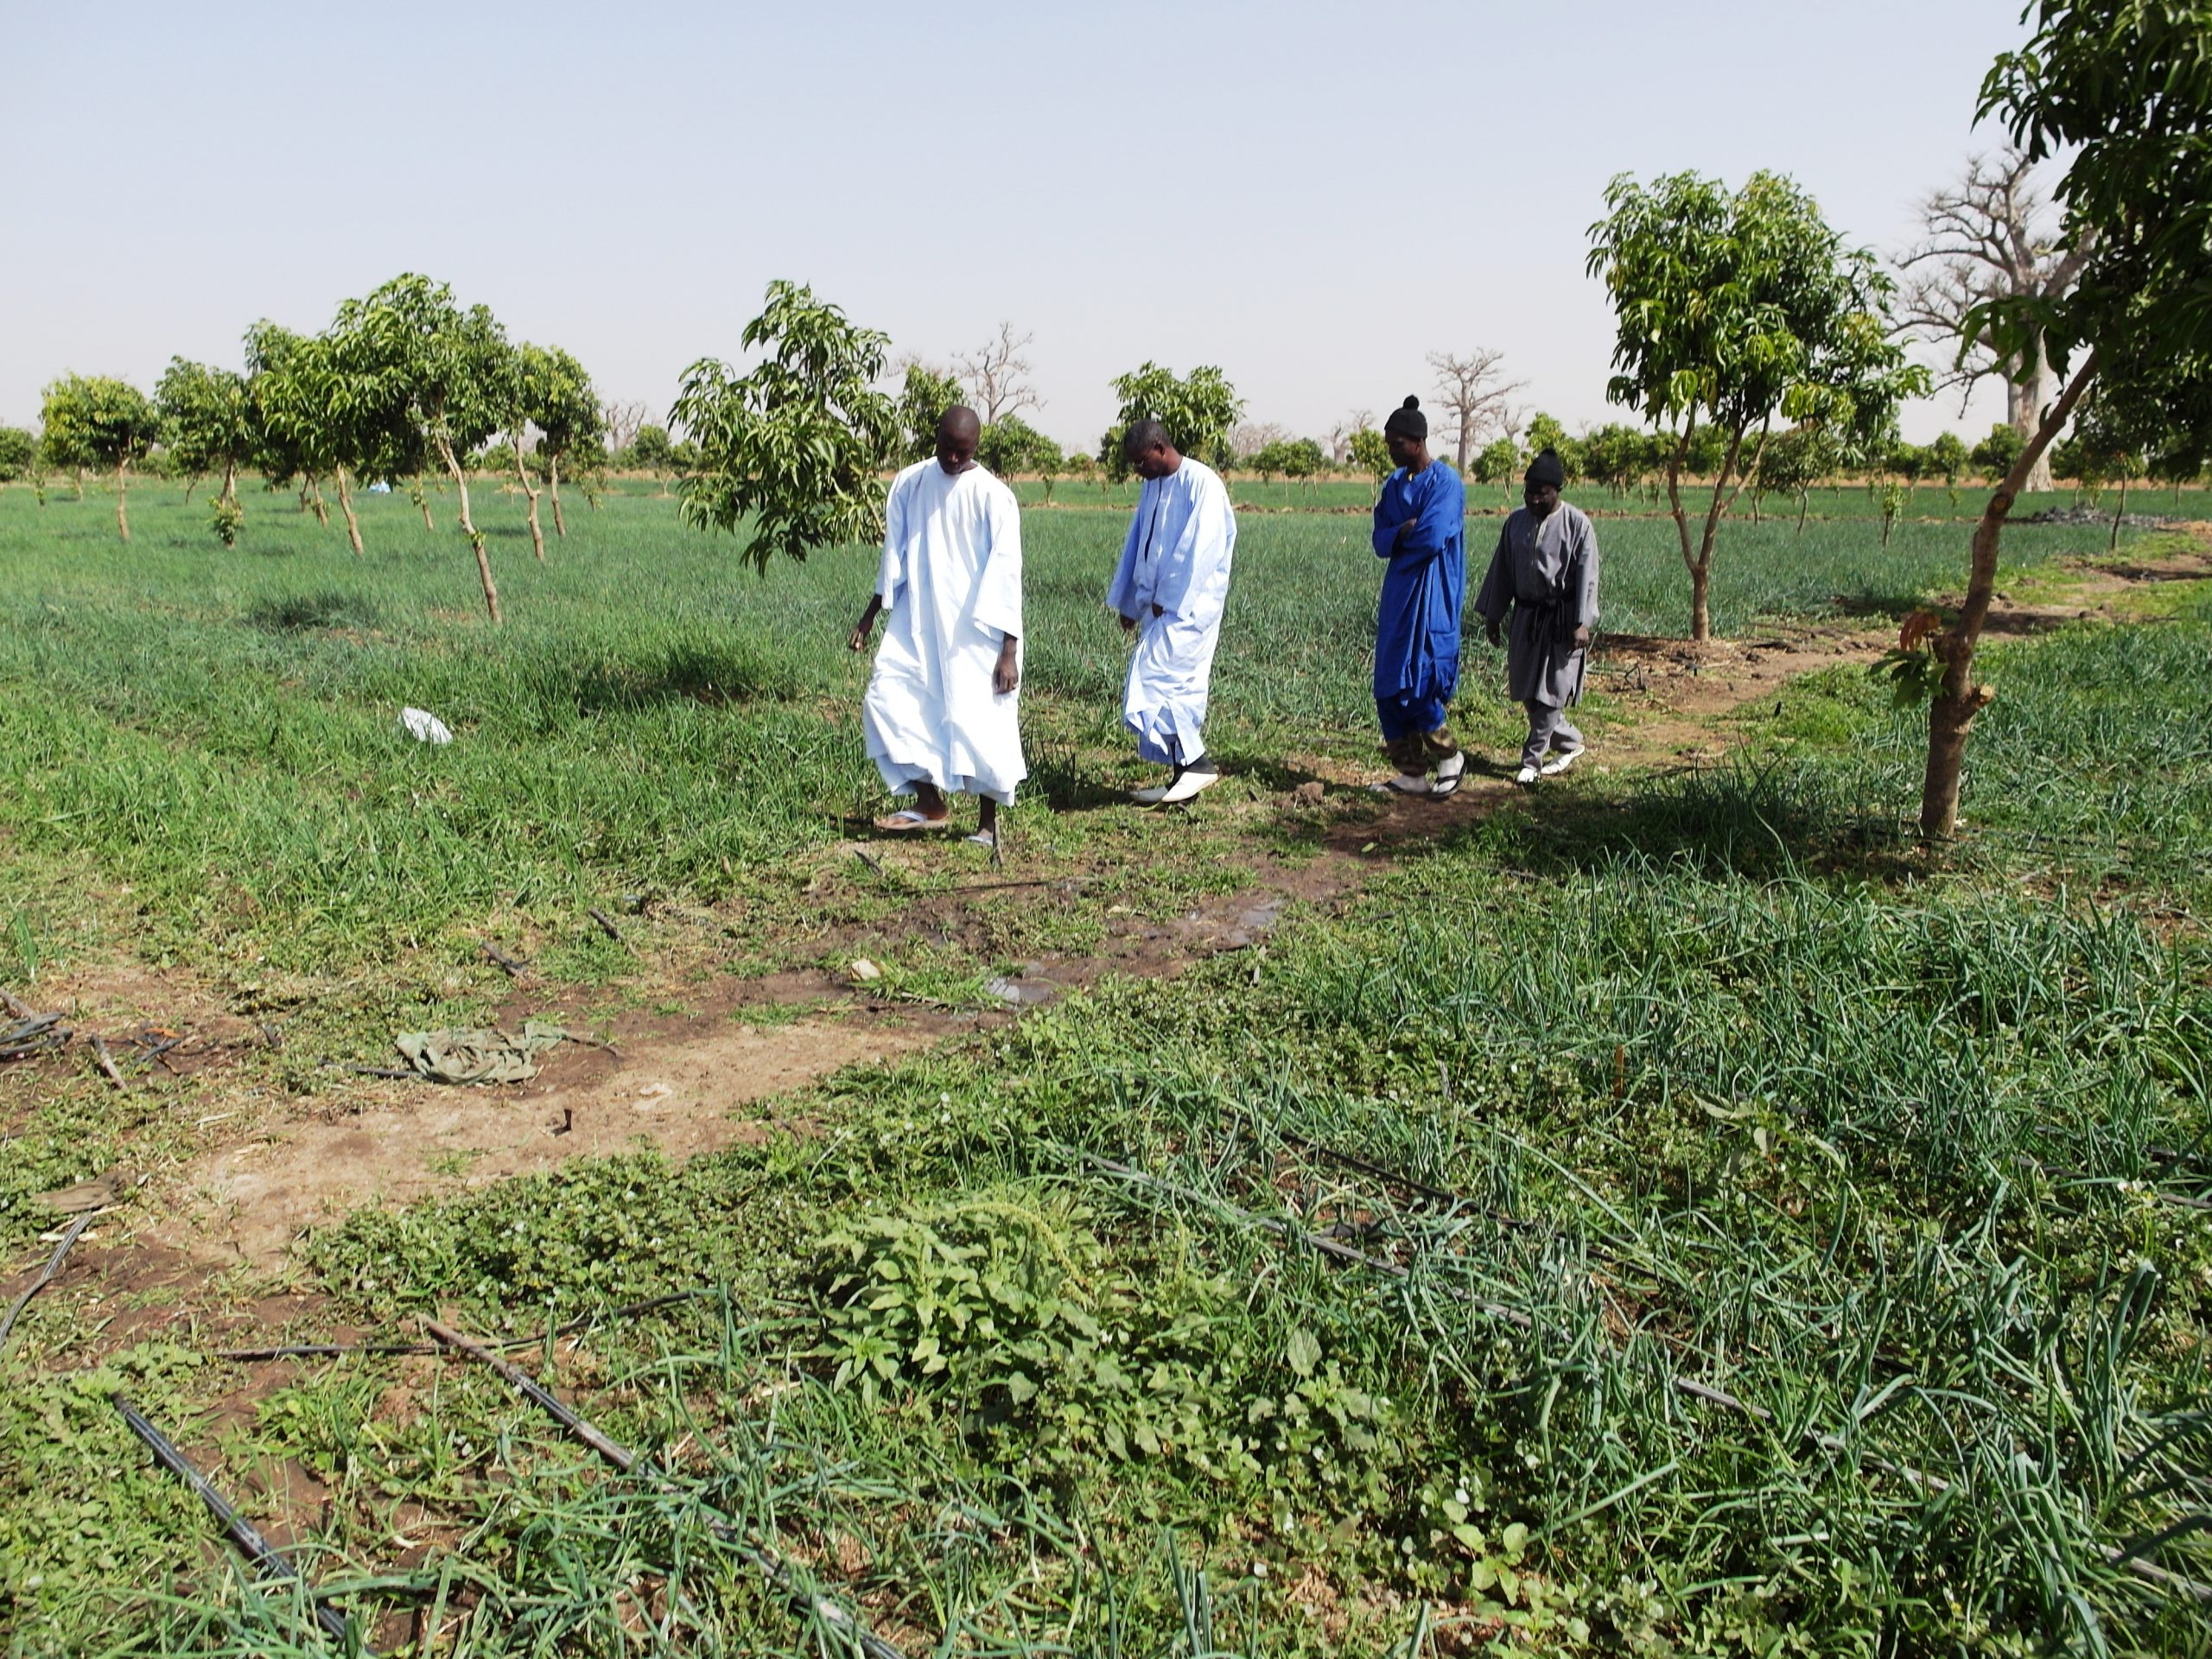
column 1545, row 574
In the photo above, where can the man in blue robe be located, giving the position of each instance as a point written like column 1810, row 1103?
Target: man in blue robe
column 1169, row 590
column 1421, row 528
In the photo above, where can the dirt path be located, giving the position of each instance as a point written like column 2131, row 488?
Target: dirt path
column 709, row 1077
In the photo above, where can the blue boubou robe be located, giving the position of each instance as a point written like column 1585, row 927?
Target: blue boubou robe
column 1417, row 623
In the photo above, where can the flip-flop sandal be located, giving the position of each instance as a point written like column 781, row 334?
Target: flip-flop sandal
column 1444, row 786
column 906, row 822
column 982, row 838
column 1393, row 786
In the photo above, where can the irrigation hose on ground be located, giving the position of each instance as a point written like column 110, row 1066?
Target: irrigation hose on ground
column 269, row 1562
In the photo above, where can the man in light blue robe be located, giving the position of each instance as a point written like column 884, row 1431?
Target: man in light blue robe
column 1545, row 573
column 1421, row 528
column 1169, row 590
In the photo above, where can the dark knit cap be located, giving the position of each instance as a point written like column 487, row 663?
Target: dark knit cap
column 1407, row 421
column 1546, row 469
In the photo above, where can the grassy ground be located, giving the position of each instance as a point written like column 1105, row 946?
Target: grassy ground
column 1672, row 1215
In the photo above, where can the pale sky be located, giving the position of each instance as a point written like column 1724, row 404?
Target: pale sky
column 1312, row 197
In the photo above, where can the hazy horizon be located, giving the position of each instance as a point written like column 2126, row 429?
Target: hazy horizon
column 1312, row 204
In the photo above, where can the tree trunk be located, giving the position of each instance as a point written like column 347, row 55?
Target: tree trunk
column 553, row 480
column 346, row 505
column 475, row 536
column 522, row 476
column 1958, row 699
column 1700, row 619
column 79, row 479
column 229, row 481
column 2023, row 401
column 121, row 517
column 2118, row 514
column 423, row 500
column 1804, row 498
column 190, row 485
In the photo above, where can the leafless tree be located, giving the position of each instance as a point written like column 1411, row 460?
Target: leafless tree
column 623, row 421
column 1340, row 434
column 1250, row 437
column 994, row 374
column 1472, row 392
column 1989, row 237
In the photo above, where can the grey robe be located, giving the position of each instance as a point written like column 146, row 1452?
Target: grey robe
column 1530, row 573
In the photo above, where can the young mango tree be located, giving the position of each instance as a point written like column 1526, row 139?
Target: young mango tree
column 800, row 441
column 445, row 367
column 2124, row 88
column 207, row 421
column 518, row 389
column 924, row 394
column 571, row 424
column 290, row 440
column 99, row 421
column 1735, row 308
column 1198, row 411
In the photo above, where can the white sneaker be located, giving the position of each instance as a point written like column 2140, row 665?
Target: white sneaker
column 1190, row 781
column 1561, row 761
column 1526, row 775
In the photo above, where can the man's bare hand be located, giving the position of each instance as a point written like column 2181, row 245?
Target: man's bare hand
column 1582, row 636
column 861, row 629
column 1006, row 675
column 858, row 641
column 1495, row 638
column 1128, row 625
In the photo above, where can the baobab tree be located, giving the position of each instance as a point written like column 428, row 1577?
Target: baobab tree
column 1472, row 392
column 1990, row 240
column 994, row 374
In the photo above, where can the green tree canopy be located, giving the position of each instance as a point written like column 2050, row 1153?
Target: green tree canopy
column 99, row 421
column 796, row 444
column 571, row 423
column 207, row 425
column 1735, row 309
column 1197, row 412
column 18, row 453
column 1946, row 457
column 1011, row 445
column 924, row 394
column 1994, row 455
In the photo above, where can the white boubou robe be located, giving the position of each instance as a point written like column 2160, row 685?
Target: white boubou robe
column 950, row 584
column 1176, row 558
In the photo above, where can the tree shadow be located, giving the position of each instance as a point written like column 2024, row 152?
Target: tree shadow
column 298, row 613
column 1741, row 820
column 712, row 675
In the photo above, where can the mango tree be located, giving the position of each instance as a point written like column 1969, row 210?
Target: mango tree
column 98, row 421
column 207, row 419
column 799, row 443
column 2124, row 89
column 1197, row 410
column 571, row 425
column 445, row 368
column 288, row 440
column 924, row 394
column 1735, row 308
column 518, row 389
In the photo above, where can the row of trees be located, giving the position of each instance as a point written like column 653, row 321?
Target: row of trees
column 405, row 382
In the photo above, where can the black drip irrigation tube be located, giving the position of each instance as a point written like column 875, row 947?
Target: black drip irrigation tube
column 269, row 1562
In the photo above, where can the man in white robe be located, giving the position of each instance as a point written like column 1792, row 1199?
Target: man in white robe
column 1169, row 589
column 942, row 714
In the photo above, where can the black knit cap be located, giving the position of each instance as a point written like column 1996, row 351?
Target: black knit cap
column 1546, row 469
column 1407, row 421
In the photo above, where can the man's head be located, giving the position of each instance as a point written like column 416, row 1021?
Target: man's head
column 1149, row 453
column 1546, row 477
column 958, row 432
column 1406, row 434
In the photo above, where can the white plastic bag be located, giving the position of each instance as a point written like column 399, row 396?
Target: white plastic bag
column 425, row 727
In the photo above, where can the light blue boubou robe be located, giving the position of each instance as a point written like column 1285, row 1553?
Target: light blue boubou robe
column 1417, row 620
column 950, row 582
column 1177, row 559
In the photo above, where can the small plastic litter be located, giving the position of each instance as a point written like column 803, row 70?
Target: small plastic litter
column 425, row 727
column 475, row 1054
